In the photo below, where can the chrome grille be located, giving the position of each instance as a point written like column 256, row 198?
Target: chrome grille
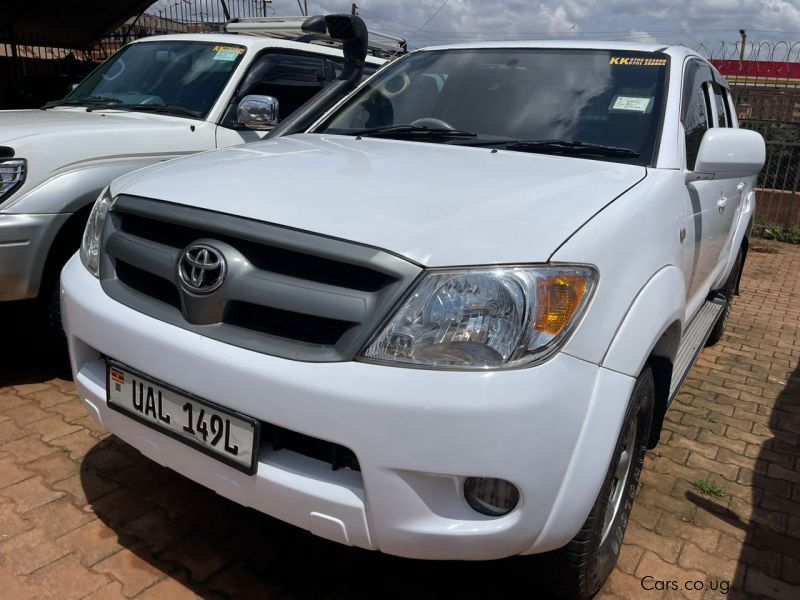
column 287, row 293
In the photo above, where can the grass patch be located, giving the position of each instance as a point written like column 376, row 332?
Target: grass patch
column 790, row 235
column 708, row 487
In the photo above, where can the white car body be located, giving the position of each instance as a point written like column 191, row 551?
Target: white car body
column 418, row 433
column 72, row 154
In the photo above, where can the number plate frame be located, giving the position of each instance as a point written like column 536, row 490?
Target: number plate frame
column 249, row 470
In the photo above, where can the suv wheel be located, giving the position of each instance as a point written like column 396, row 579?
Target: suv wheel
column 585, row 563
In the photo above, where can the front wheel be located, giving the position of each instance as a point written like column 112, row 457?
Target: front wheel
column 584, row 564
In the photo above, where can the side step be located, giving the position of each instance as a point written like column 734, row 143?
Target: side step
column 692, row 342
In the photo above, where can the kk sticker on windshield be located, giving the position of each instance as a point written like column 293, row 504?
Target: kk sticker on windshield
column 636, row 104
column 632, row 61
column 227, row 53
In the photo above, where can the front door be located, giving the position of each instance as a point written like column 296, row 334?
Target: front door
column 291, row 77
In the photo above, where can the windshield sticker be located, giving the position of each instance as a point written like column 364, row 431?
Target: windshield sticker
column 631, row 104
column 227, row 53
column 638, row 62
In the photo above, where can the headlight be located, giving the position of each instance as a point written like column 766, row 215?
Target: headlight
column 93, row 234
column 485, row 318
column 12, row 175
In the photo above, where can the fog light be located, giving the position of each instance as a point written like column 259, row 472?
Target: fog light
column 493, row 497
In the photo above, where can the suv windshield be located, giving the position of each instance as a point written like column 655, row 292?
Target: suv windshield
column 182, row 78
column 591, row 103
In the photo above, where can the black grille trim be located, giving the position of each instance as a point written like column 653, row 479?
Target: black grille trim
column 288, row 293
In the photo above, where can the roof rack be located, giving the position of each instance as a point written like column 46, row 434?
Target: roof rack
column 291, row 28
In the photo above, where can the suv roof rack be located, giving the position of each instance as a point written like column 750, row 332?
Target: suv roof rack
column 291, row 28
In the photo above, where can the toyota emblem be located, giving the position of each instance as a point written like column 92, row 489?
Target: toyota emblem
column 201, row 268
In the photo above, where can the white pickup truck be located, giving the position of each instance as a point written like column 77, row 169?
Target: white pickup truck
column 156, row 99
column 458, row 340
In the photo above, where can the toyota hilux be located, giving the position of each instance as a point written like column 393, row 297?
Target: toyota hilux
column 459, row 336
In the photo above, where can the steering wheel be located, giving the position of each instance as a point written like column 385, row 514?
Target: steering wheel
column 404, row 81
column 433, row 123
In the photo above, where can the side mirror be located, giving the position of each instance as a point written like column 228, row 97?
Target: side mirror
column 257, row 112
column 730, row 153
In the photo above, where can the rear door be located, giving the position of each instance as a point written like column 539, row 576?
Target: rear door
column 729, row 204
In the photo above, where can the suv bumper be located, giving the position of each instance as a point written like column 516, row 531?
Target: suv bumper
column 416, row 433
column 24, row 244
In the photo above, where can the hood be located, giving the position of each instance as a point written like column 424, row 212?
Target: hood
column 436, row 204
column 18, row 125
column 59, row 140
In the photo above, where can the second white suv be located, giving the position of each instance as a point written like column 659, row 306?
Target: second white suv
column 156, row 99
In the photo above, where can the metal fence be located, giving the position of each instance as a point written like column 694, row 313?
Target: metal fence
column 765, row 84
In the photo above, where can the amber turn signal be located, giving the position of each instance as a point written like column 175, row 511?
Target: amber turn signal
column 560, row 296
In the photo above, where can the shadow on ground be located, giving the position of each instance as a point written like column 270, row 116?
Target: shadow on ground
column 220, row 549
column 32, row 353
column 772, row 531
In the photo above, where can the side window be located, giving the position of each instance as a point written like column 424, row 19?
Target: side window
column 723, row 118
column 338, row 67
column 695, row 111
column 291, row 78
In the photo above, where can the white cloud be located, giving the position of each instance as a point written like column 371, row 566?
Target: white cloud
column 666, row 21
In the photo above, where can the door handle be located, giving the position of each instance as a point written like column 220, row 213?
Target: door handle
column 722, row 203
column 740, row 187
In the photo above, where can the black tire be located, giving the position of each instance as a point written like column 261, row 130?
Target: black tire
column 53, row 299
column 727, row 291
column 582, row 566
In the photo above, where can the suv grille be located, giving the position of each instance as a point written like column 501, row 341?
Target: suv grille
column 287, row 293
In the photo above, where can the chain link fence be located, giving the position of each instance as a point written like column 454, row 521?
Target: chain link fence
column 765, row 84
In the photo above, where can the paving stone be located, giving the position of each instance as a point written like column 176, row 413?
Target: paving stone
column 128, row 568
column 84, row 515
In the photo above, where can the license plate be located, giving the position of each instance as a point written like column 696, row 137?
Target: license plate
column 221, row 433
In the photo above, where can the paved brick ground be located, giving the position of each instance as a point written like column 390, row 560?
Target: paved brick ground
column 84, row 516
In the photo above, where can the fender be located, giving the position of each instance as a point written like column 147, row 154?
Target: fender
column 48, row 207
column 67, row 191
column 659, row 305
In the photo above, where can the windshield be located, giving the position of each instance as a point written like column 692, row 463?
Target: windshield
column 590, row 103
column 183, row 77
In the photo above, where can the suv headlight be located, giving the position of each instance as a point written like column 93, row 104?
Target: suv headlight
column 485, row 318
column 93, row 234
column 12, row 175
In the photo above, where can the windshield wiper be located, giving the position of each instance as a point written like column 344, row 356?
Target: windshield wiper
column 411, row 132
column 85, row 101
column 564, row 147
column 156, row 108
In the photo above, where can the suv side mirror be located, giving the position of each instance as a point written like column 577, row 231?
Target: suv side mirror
column 729, row 153
column 257, row 112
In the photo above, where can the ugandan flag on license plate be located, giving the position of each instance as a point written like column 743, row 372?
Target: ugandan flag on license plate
column 118, row 377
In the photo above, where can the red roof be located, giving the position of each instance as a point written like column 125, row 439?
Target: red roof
column 758, row 68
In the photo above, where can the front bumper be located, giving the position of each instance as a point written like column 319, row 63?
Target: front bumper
column 416, row 433
column 25, row 241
